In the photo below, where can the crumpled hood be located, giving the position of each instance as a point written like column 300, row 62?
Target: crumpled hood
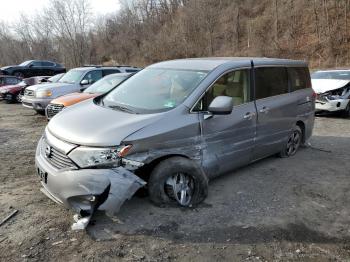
column 92, row 125
column 324, row 85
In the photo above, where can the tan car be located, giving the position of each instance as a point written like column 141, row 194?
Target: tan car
column 100, row 87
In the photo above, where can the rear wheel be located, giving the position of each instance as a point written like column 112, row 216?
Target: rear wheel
column 293, row 143
column 179, row 181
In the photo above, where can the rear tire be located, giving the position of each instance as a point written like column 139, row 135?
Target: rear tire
column 293, row 143
column 177, row 180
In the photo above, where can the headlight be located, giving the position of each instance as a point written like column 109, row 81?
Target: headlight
column 92, row 157
column 43, row 93
column 4, row 91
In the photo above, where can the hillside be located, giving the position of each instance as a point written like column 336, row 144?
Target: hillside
column 147, row 31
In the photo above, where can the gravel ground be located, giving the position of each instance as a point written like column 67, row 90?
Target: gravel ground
column 295, row 209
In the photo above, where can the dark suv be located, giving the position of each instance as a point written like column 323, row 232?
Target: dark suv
column 34, row 68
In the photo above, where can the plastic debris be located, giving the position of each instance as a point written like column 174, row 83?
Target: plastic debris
column 80, row 223
column 8, row 217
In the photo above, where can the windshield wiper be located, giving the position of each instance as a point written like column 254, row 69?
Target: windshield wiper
column 122, row 108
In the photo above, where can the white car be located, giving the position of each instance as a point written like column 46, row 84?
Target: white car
column 333, row 91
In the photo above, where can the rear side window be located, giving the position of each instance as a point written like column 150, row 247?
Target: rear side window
column 270, row 81
column 110, row 71
column 299, row 78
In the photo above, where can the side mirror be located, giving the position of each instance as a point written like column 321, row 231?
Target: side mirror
column 221, row 105
column 84, row 82
column 31, row 65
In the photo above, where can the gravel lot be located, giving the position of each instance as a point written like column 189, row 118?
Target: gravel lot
column 295, row 209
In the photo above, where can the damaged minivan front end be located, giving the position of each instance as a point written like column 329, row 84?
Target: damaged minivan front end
column 84, row 179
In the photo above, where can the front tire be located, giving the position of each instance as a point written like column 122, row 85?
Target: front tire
column 293, row 143
column 177, row 180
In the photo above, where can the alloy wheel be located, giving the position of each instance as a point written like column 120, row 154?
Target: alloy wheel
column 293, row 143
column 180, row 187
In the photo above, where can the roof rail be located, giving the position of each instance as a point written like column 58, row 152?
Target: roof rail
column 109, row 66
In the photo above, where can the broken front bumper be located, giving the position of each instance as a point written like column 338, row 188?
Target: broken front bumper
column 86, row 189
column 331, row 105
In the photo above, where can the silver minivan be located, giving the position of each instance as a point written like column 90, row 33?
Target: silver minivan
column 172, row 127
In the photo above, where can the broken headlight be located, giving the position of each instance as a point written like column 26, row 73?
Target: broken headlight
column 99, row 157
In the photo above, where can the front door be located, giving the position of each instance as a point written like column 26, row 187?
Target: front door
column 228, row 140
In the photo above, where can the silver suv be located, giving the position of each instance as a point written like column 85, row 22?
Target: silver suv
column 175, row 125
column 38, row 97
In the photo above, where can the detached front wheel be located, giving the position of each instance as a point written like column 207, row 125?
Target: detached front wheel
column 293, row 143
column 177, row 180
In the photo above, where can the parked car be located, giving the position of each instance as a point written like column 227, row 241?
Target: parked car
column 333, row 91
column 175, row 125
column 34, row 68
column 102, row 86
column 75, row 80
column 14, row 93
column 9, row 80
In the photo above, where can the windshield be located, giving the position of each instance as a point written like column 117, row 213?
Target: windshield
column 105, row 84
column 72, row 77
column 340, row 75
column 25, row 63
column 55, row 78
column 154, row 90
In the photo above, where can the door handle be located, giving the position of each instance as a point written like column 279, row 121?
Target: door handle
column 264, row 110
column 249, row 116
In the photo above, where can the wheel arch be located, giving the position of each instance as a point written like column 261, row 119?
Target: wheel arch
column 145, row 171
column 301, row 125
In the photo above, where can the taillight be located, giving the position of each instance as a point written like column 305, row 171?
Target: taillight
column 314, row 95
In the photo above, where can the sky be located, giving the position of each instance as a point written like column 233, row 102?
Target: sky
column 10, row 9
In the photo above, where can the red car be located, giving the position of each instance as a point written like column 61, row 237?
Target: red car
column 12, row 93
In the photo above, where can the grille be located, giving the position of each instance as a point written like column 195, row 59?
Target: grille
column 28, row 92
column 56, row 158
column 53, row 109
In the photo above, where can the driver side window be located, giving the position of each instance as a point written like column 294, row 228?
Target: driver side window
column 234, row 84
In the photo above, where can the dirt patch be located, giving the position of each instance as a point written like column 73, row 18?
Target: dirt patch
column 276, row 209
